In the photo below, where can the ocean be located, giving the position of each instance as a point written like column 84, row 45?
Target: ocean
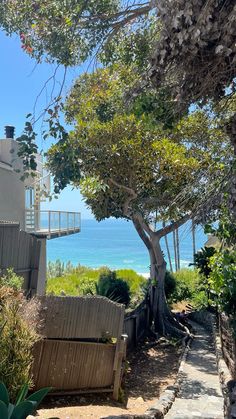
column 116, row 244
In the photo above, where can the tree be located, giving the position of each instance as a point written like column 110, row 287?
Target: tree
column 129, row 167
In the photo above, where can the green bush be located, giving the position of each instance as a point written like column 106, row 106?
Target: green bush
column 136, row 282
column 170, row 284
column 11, row 280
column 114, row 288
column 202, row 260
column 188, row 286
column 222, row 280
column 18, row 321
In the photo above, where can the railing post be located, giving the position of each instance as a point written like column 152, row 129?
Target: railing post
column 60, row 223
column 68, row 223
column 74, row 222
column 49, row 223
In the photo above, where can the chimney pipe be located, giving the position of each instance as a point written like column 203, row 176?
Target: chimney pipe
column 9, row 131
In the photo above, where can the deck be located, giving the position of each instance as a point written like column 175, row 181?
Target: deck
column 52, row 224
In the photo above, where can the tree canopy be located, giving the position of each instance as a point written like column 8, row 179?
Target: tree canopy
column 137, row 140
column 192, row 44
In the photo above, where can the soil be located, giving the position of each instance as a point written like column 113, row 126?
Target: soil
column 151, row 368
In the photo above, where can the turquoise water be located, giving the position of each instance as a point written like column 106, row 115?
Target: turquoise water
column 116, row 244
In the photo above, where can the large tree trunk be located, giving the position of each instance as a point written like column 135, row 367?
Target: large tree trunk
column 164, row 322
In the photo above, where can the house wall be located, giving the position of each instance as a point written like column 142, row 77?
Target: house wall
column 12, row 197
column 12, row 189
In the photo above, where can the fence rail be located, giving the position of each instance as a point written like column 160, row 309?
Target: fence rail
column 52, row 222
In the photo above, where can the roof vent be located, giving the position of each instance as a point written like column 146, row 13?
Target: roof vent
column 9, row 131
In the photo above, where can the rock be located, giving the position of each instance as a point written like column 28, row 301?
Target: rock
column 140, row 400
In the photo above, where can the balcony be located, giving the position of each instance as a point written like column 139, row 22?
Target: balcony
column 52, row 224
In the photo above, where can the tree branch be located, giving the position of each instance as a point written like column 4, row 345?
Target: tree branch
column 132, row 195
column 141, row 231
column 171, row 227
column 125, row 188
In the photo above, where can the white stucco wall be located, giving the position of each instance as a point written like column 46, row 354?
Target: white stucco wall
column 12, row 189
column 12, row 197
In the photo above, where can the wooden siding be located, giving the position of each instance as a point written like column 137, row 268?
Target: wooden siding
column 72, row 365
column 72, row 357
column 81, row 317
column 20, row 251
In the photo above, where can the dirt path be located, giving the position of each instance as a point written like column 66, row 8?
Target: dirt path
column 151, row 369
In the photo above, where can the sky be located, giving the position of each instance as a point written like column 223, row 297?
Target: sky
column 21, row 82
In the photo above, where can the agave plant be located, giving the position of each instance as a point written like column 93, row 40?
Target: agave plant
column 23, row 406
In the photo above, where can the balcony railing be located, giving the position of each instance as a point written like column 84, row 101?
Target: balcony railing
column 52, row 223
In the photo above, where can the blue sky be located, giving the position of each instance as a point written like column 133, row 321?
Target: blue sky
column 20, row 83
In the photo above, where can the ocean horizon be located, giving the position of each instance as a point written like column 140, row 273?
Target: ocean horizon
column 116, row 244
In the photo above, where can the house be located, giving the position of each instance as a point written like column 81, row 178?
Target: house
column 20, row 202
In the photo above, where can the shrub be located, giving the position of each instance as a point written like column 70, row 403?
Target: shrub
column 55, row 269
column 114, row 288
column 187, row 283
column 11, row 280
column 222, row 280
column 202, row 260
column 18, row 320
column 170, row 284
column 136, row 282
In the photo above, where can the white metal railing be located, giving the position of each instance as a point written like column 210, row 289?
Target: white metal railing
column 52, row 222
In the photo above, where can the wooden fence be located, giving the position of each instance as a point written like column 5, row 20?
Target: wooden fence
column 83, row 348
column 20, row 251
column 228, row 343
column 136, row 324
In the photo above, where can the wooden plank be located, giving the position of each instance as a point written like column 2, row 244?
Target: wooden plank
column 71, row 365
column 81, row 317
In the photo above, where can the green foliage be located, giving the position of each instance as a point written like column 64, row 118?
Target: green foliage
column 187, row 284
column 11, row 279
column 222, row 280
column 23, row 406
column 202, row 260
column 114, row 146
column 200, row 300
column 81, row 280
column 170, row 284
column 66, row 33
column 190, row 287
column 18, row 324
column 137, row 283
column 56, row 269
column 114, row 288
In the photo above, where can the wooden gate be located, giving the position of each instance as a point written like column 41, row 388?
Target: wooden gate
column 83, row 346
column 20, row 251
